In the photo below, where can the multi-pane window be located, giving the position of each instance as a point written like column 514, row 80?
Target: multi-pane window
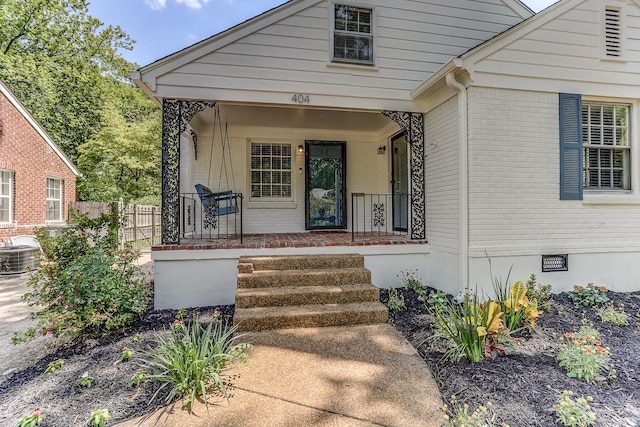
column 6, row 195
column 54, row 199
column 605, row 138
column 353, row 34
column 270, row 170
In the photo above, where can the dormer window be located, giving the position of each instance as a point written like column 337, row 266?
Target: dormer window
column 353, row 35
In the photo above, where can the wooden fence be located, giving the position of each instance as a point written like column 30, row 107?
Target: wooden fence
column 138, row 225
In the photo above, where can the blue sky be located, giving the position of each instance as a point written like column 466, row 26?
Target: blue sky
column 161, row 27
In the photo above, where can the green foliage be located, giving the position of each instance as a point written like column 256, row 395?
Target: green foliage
column 85, row 288
column 610, row 314
column 192, row 359
column 85, row 380
column 413, row 283
column 99, row 418
column 32, row 420
column 473, row 329
column 583, row 355
column 574, row 413
column 396, row 301
column 539, row 293
column 126, row 355
column 460, row 415
column 588, row 297
column 437, row 301
column 54, row 366
column 138, row 378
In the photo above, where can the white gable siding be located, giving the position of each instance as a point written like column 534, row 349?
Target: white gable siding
column 566, row 53
column 514, row 184
column 414, row 38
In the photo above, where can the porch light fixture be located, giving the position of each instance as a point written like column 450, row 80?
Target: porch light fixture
column 382, row 149
column 300, row 149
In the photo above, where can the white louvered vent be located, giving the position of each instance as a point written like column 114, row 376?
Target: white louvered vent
column 613, row 32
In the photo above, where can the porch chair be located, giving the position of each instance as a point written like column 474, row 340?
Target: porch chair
column 216, row 204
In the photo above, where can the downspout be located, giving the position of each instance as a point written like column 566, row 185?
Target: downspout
column 463, row 177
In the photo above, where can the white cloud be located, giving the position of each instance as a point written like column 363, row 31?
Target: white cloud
column 156, row 4
column 193, row 4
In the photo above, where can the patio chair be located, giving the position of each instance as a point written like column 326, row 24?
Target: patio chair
column 216, row 204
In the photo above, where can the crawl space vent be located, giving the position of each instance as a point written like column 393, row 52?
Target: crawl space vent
column 555, row 263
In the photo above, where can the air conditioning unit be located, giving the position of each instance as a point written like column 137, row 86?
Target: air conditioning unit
column 18, row 259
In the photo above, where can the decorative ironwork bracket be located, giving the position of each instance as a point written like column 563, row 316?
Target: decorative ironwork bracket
column 176, row 115
column 194, row 138
column 412, row 124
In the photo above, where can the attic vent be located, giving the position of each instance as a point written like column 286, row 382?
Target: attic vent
column 612, row 32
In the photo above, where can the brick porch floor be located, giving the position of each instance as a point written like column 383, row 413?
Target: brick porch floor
column 291, row 240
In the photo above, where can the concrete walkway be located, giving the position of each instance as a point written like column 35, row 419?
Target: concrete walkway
column 339, row 376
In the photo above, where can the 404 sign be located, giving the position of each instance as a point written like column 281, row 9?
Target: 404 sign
column 300, row 98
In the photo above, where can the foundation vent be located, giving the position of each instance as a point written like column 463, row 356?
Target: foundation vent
column 555, row 263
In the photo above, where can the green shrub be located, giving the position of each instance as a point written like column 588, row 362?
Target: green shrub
column 32, row 420
column 396, row 301
column 574, row 413
column 99, row 417
column 437, row 301
column 474, row 330
column 413, row 283
column 85, row 288
column 539, row 293
column 583, row 356
column 588, row 297
column 616, row 316
column 192, row 359
column 460, row 415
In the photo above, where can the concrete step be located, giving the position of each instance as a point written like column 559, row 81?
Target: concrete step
column 301, row 295
column 287, row 278
column 309, row 316
column 303, row 262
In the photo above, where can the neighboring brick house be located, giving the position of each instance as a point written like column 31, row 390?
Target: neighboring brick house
column 37, row 180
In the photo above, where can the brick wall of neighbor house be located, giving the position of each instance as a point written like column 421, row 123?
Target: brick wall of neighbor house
column 32, row 160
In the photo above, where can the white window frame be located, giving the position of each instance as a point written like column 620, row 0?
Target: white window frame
column 9, row 196
column 373, row 35
column 621, row 8
column 252, row 170
column 52, row 199
column 628, row 169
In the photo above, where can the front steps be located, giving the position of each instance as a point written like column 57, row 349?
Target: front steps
column 304, row 291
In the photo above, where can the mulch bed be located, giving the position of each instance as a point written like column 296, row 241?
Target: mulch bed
column 525, row 384
column 522, row 386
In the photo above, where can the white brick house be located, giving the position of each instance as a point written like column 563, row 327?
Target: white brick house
column 447, row 111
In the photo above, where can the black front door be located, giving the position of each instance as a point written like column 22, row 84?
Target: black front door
column 325, row 184
column 400, row 182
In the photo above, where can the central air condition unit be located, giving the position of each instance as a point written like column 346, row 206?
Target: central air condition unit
column 18, row 259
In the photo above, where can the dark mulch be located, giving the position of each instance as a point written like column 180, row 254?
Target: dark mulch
column 524, row 385
column 64, row 404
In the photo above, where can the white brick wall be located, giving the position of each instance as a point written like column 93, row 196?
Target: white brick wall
column 441, row 170
column 514, row 184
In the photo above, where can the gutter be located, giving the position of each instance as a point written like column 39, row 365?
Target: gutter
column 463, row 177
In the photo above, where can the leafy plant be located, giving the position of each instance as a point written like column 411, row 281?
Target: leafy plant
column 588, row 296
column 126, row 355
column 396, row 301
column 181, row 314
column 32, row 420
column 54, row 366
column 85, row 380
column 474, row 329
column 138, row 378
column 518, row 311
column 99, row 418
column 574, row 413
column 459, row 414
column 192, row 359
column 437, row 301
column 583, row 355
column 85, row 288
column 539, row 293
column 609, row 314
column 413, row 283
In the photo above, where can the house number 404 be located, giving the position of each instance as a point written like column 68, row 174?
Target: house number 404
column 300, row 98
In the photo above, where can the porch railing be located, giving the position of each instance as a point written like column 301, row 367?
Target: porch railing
column 221, row 219
column 379, row 215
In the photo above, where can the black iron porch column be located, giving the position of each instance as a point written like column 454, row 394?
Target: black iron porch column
column 412, row 124
column 176, row 115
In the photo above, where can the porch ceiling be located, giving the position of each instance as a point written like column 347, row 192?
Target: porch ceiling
column 294, row 117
